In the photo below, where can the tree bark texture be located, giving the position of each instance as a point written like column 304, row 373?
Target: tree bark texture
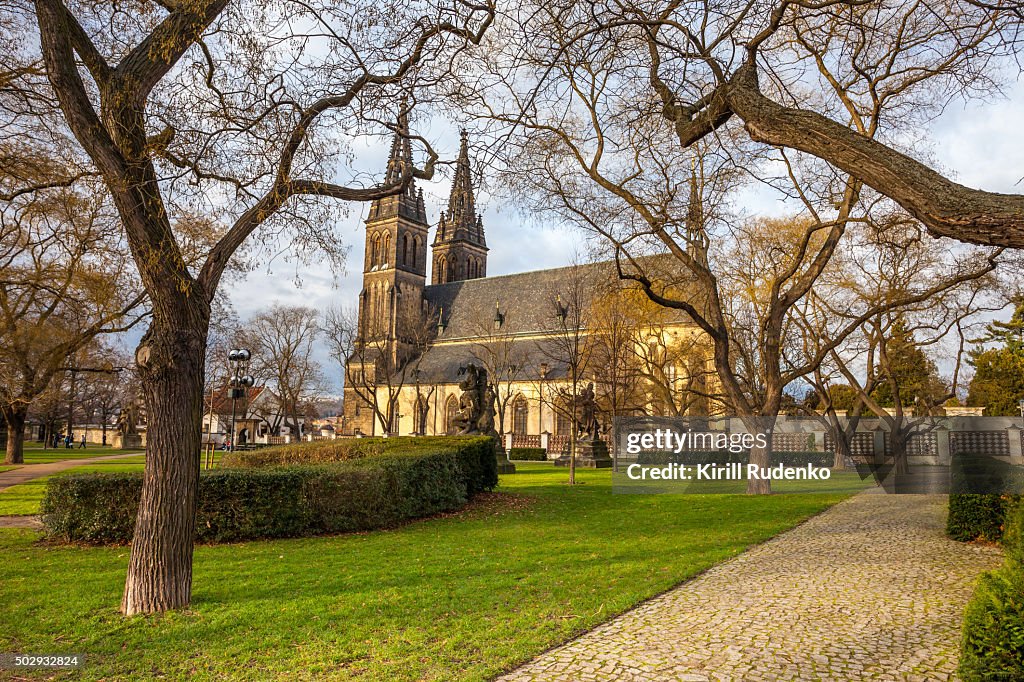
column 946, row 208
column 14, row 417
column 761, row 457
column 170, row 360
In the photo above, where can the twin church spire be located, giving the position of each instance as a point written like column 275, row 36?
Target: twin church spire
column 459, row 249
column 461, row 221
column 408, row 203
column 393, row 301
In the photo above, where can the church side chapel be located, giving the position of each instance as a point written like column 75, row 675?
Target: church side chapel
column 549, row 341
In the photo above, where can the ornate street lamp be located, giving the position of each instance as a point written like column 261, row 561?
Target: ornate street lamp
column 239, row 360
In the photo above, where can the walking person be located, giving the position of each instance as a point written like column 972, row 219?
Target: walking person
column 67, row 440
column 81, row 446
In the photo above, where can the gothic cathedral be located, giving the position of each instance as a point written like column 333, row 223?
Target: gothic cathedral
column 392, row 304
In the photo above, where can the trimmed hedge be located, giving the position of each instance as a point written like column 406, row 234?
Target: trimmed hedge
column 475, row 453
column 974, row 514
column 245, row 503
column 528, row 454
column 992, row 647
column 973, row 517
column 789, row 459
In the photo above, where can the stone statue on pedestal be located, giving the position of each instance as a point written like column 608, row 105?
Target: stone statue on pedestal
column 128, row 419
column 127, row 435
column 476, row 412
column 471, row 402
column 587, row 426
column 591, row 451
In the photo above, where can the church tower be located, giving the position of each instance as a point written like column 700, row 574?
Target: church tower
column 459, row 250
column 395, row 258
column 394, row 274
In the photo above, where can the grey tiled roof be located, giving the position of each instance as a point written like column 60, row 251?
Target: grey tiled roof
column 440, row 364
column 526, row 299
column 526, row 303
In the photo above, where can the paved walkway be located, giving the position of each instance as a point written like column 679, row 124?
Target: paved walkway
column 26, row 472
column 871, row 589
column 21, row 522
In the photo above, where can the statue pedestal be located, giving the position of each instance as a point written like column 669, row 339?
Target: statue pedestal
column 501, row 457
column 127, row 441
column 590, row 454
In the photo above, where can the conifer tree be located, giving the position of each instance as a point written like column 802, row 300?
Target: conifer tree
column 998, row 383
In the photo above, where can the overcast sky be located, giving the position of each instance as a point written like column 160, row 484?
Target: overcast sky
column 980, row 144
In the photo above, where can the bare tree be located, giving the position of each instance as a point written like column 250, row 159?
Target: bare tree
column 615, row 102
column 789, row 74
column 498, row 351
column 65, row 283
column 282, row 339
column 104, row 391
column 884, row 360
column 670, row 361
column 842, row 428
column 616, row 324
column 569, row 348
column 48, row 409
column 374, row 368
column 217, row 108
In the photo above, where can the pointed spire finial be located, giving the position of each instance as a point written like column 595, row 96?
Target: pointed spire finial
column 409, row 202
column 462, row 215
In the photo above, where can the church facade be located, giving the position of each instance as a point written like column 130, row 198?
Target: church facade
column 414, row 339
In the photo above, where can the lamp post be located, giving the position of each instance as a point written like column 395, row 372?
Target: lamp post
column 239, row 360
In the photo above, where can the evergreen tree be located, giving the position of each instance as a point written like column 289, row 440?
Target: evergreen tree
column 914, row 374
column 998, row 383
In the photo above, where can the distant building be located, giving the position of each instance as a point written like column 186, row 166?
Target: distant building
column 256, row 418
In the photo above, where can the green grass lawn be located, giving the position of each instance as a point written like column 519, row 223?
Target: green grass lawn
column 457, row 598
column 24, row 499
column 8, row 467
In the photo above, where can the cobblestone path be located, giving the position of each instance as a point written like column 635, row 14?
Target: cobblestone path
column 870, row 589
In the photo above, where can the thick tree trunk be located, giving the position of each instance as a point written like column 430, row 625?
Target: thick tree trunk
column 170, row 359
column 842, row 451
column 840, row 440
column 901, row 464
column 15, row 420
column 763, row 458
